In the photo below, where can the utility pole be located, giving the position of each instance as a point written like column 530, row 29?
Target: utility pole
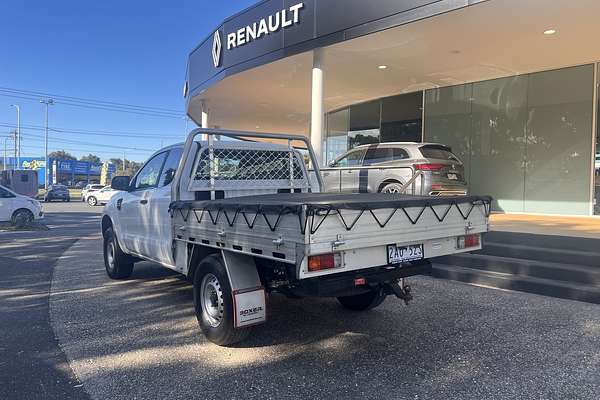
column 124, row 164
column 5, row 164
column 47, row 102
column 18, row 137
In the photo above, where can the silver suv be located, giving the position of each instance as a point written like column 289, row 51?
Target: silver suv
column 399, row 167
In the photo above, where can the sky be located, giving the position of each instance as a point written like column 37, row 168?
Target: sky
column 131, row 52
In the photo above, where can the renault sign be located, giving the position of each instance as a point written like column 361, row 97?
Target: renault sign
column 271, row 24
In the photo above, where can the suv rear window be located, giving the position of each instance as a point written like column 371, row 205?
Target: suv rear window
column 438, row 152
column 378, row 155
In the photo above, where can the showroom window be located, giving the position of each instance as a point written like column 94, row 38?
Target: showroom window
column 365, row 120
column 525, row 140
column 401, row 118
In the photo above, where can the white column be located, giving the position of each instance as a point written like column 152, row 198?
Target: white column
column 204, row 122
column 317, row 113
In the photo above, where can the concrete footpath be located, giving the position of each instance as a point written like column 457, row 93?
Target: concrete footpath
column 139, row 339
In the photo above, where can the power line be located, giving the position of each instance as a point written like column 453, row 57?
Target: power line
column 96, row 132
column 116, row 109
column 91, row 144
column 89, row 101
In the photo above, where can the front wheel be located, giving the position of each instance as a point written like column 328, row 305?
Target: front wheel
column 22, row 218
column 213, row 303
column 363, row 302
column 92, row 201
column 118, row 264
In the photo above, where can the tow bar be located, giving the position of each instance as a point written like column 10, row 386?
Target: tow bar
column 400, row 289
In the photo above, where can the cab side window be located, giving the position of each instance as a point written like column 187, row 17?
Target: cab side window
column 170, row 167
column 150, row 172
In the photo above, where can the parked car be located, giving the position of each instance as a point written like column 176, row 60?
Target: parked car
column 57, row 192
column 88, row 189
column 18, row 209
column 101, row 196
column 390, row 167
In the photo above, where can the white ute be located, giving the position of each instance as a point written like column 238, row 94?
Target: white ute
column 244, row 219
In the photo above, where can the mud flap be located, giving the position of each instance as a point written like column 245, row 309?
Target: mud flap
column 249, row 299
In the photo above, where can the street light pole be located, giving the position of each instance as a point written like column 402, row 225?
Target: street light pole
column 18, row 137
column 47, row 102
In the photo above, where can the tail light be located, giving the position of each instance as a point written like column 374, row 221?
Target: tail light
column 468, row 241
column 324, row 261
column 429, row 167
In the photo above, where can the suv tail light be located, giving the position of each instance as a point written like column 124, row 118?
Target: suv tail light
column 429, row 167
column 468, row 241
column 324, row 261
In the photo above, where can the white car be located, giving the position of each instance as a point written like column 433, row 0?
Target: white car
column 101, row 196
column 17, row 208
column 90, row 188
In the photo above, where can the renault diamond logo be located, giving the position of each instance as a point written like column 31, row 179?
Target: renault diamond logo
column 216, row 49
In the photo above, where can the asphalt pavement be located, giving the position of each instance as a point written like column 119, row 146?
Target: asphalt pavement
column 32, row 365
column 69, row 332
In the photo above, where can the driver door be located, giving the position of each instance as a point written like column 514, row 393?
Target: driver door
column 344, row 176
column 135, row 207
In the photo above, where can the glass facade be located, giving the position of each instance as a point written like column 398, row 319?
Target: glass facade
column 392, row 119
column 597, row 155
column 526, row 140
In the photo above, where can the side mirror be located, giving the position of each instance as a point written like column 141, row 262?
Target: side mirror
column 120, row 183
column 332, row 164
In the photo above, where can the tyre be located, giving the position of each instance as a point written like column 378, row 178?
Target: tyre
column 21, row 218
column 363, row 302
column 92, row 201
column 213, row 303
column 68, row 199
column 118, row 264
column 393, row 187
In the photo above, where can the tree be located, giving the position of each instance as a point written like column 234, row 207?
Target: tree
column 92, row 158
column 61, row 155
column 131, row 167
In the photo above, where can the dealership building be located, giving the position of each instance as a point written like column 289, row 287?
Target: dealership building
column 510, row 85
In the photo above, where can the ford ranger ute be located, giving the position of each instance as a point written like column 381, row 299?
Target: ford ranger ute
column 243, row 219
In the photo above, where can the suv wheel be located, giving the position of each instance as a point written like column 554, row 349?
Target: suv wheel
column 393, row 187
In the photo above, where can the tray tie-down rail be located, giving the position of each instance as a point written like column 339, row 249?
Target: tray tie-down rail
column 313, row 216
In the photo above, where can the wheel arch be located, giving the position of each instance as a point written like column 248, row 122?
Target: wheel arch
column 386, row 182
column 106, row 223
column 14, row 213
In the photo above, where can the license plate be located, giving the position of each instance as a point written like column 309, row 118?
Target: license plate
column 398, row 255
column 453, row 177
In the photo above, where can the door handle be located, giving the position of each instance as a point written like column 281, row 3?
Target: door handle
column 144, row 201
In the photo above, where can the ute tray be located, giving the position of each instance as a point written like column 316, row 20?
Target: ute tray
column 313, row 208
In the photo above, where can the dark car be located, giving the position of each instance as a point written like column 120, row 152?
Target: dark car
column 57, row 192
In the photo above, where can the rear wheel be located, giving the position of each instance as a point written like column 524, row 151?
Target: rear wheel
column 213, row 303
column 92, row 201
column 363, row 302
column 118, row 264
column 21, row 218
column 393, row 187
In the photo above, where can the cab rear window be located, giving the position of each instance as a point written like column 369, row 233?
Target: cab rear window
column 438, row 152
